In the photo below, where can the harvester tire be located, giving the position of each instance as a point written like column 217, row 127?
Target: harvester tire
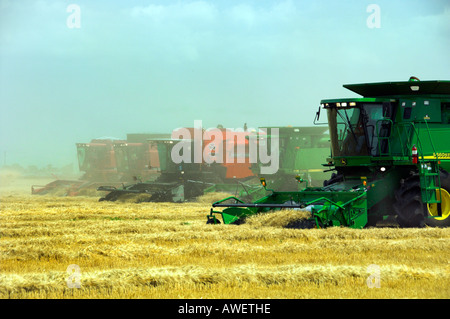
column 408, row 206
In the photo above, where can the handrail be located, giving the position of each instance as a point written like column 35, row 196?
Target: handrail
column 230, row 197
column 406, row 135
column 410, row 129
column 436, row 163
column 431, row 141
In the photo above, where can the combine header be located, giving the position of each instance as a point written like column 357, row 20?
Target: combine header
column 390, row 156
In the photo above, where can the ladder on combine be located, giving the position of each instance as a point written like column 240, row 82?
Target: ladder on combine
column 430, row 181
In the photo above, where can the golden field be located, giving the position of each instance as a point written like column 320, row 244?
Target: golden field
column 166, row 250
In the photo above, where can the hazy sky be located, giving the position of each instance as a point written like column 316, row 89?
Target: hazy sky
column 152, row 66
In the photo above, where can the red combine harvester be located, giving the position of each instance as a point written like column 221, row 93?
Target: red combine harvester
column 96, row 159
column 107, row 160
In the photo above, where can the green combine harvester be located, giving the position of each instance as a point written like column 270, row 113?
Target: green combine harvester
column 301, row 151
column 390, row 156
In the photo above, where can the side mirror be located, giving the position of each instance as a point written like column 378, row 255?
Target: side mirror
column 316, row 119
column 318, row 114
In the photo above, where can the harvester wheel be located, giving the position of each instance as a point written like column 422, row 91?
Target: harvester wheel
column 409, row 207
column 410, row 210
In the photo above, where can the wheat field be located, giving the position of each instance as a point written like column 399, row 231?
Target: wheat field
column 166, row 250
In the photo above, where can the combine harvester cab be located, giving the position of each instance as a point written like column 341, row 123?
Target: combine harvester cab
column 390, row 157
column 97, row 160
column 301, row 152
column 136, row 161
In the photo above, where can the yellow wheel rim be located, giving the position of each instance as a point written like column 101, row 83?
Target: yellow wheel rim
column 445, row 204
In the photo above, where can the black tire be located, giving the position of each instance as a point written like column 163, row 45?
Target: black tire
column 409, row 208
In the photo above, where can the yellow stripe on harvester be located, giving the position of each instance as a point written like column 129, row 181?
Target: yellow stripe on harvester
column 439, row 156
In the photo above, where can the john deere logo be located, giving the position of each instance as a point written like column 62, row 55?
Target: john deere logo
column 344, row 161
